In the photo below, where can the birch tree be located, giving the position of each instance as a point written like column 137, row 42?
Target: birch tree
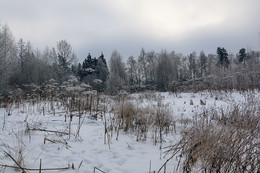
column 8, row 57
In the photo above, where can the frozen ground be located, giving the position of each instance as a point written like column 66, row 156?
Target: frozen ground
column 88, row 150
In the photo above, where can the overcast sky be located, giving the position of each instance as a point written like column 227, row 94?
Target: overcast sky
column 93, row 26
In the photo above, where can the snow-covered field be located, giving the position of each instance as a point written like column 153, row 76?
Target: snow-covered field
column 87, row 150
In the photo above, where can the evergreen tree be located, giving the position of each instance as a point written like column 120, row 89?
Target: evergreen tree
column 101, row 68
column 242, row 55
column 223, row 57
column 87, row 62
column 87, row 70
column 101, row 71
column 79, row 72
column 92, row 69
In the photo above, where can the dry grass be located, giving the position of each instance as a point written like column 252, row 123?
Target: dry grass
column 229, row 144
column 140, row 120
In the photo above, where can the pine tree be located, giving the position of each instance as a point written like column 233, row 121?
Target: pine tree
column 79, row 72
column 92, row 69
column 101, row 71
column 223, row 57
column 242, row 55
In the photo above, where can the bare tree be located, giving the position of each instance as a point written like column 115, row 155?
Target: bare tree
column 132, row 71
column 151, row 67
column 117, row 76
column 192, row 65
column 7, row 56
column 50, row 56
column 175, row 60
column 203, row 64
column 142, row 67
column 21, row 46
column 65, row 59
column 164, row 71
column 65, row 54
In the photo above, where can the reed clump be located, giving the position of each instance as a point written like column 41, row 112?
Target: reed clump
column 229, row 143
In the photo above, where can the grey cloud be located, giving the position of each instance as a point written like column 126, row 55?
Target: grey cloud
column 105, row 25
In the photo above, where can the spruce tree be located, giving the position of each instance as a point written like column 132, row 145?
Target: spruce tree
column 223, row 57
column 242, row 55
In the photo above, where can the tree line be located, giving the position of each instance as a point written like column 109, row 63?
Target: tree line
column 21, row 65
column 170, row 71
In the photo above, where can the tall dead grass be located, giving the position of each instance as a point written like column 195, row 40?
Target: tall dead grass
column 140, row 119
column 230, row 143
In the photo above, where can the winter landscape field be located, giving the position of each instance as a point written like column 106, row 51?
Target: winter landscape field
column 129, row 86
column 130, row 133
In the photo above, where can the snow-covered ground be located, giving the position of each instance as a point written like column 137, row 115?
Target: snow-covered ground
column 88, row 150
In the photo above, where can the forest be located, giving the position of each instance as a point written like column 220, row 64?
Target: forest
column 22, row 65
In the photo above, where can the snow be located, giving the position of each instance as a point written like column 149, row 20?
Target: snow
column 122, row 155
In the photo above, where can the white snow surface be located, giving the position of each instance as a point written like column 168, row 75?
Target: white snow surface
column 124, row 155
